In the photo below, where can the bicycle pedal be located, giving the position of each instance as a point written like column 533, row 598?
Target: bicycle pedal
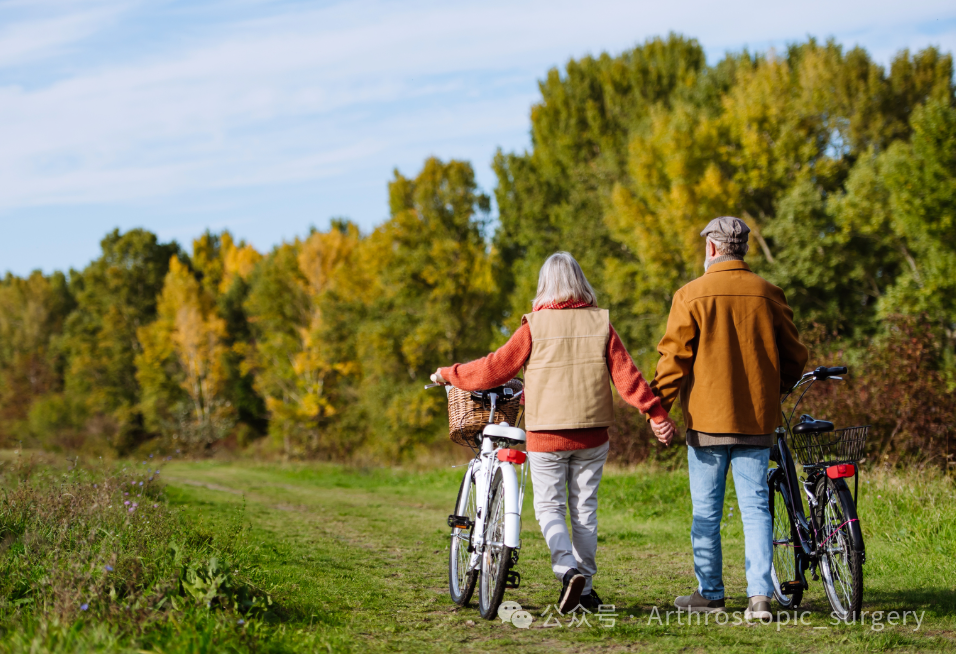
column 513, row 580
column 460, row 522
column 790, row 587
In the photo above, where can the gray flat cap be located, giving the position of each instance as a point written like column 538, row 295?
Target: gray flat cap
column 726, row 229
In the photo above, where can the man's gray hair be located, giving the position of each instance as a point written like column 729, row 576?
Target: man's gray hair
column 730, row 249
column 560, row 280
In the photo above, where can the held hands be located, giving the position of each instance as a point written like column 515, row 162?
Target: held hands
column 437, row 378
column 664, row 430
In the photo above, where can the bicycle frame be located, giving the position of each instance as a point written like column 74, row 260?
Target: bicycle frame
column 487, row 463
column 807, row 549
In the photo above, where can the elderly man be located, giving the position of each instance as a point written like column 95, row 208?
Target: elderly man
column 730, row 348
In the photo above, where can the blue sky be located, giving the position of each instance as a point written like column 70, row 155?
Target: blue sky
column 268, row 116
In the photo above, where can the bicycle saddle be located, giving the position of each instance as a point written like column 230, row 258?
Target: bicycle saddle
column 808, row 424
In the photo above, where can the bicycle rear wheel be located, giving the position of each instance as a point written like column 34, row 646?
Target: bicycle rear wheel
column 461, row 580
column 841, row 565
column 785, row 542
column 496, row 558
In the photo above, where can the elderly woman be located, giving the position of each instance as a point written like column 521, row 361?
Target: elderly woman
column 570, row 352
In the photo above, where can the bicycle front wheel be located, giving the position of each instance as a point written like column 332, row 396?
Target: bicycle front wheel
column 840, row 564
column 461, row 580
column 496, row 557
column 785, row 542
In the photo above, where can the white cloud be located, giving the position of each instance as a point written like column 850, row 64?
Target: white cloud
column 309, row 93
column 58, row 26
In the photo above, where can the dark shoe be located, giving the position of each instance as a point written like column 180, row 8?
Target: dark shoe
column 591, row 601
column 697, row 603
column 759, row 609
column 571, row 589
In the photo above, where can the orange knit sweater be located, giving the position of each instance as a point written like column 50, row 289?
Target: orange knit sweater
column 503, row 364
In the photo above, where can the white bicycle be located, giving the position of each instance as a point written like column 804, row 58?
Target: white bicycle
column 486, row 524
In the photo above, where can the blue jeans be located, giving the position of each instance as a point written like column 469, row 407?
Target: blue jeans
column 708, row 480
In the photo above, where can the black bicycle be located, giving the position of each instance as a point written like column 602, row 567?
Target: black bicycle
column 829, row 540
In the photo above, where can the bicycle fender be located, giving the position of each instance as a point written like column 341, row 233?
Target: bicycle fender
column 850, row 507
column 509, row 480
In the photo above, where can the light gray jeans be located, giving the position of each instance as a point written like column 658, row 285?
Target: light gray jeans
column 560, row 480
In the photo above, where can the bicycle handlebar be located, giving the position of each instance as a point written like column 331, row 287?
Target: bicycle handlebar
column 823, row 372
column 820, row 373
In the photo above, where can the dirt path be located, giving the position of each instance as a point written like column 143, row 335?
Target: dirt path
column 362, row 558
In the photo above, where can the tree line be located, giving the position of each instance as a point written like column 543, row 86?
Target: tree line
column 845, row 171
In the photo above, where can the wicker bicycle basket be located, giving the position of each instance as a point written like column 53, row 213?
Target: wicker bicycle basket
column 467, row 418
column 829, row 448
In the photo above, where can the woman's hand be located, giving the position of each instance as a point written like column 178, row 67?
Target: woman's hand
column 664, row 430
column 437, row 378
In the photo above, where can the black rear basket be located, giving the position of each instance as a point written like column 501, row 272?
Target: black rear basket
column 829, row 447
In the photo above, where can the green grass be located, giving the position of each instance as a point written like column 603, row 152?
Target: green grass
column 355, row 560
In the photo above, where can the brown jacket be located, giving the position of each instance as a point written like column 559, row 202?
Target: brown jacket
column 730, row 348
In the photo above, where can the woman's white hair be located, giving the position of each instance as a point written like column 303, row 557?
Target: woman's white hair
column 561, row 279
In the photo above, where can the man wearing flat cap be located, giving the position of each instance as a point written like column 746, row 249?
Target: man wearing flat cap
column 730, row 349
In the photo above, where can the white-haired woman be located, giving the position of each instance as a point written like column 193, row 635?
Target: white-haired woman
column 570, row 353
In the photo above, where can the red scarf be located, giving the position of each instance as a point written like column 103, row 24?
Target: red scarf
column 567, row 304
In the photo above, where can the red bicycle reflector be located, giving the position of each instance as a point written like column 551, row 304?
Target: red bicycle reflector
column 512, row 456
column 842, row 470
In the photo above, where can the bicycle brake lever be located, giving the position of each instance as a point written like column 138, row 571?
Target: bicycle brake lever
column 836, row 378
column 427, row 386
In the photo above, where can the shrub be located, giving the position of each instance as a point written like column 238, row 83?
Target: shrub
column 897, row 387
column 103, row 546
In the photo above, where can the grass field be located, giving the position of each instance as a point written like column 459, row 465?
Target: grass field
column 355, row 560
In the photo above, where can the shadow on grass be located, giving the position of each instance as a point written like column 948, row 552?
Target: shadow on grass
column 937, row 602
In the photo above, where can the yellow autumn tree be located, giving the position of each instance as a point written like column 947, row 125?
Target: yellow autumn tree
column 180, row 368
column 288, row 354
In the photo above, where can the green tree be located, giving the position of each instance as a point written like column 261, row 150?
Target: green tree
column 921, row 179
column 32, row 313
column 417, row 293
column 116, row 296
column 555, row 197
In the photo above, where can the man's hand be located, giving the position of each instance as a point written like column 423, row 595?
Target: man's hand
column 437, row 378
column 664, row 430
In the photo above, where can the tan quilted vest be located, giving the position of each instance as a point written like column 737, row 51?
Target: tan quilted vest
column 567, row 385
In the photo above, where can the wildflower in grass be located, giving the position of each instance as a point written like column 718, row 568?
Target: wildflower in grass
column 155, row 506
column 241, row 621
column 125, row 494
column 109, row 568
column 151, row 456
column 140, row 483
column 126, row 502
column 84, row 607
column 132, row 509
